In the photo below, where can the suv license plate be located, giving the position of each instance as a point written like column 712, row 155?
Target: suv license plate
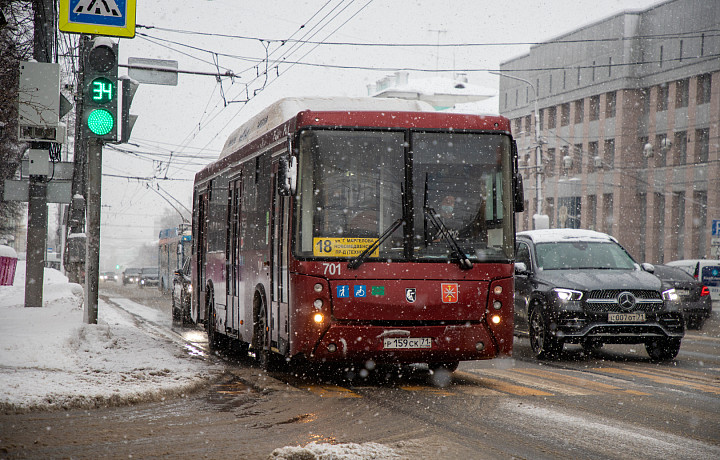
column 626, row 317
column 407, row 342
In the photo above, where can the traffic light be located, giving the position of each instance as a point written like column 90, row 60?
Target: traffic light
column 127, row 121
column 100, row 97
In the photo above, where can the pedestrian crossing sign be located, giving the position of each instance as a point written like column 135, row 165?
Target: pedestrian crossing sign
column 114, row 18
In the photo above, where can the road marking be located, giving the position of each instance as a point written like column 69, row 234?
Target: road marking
column 477, row 376
column 596, row 387
column 330, row 391
column 433, row 390
column 660, row 379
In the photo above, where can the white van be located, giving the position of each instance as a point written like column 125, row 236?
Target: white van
column 704, row 270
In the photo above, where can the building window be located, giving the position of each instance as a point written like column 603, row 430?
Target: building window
column 645, row 101
column 662, row 97
column 565, row 114
column 610, row 66
column 643, row 141
column 569, row 209
column 577, row 156
column 681, row 50
column 564, row 78
column 610, row 101
column 641, row 223
column 550, row 162
column 699, row 222
column 528, row 125
column 517, row 99
column 659, row 224
column 608, row 212
column 682, row 93
column 703, row 88
column 609, row 153
column 594, row 108
column 661, row 150
column 592, row 153
column 593, row 71
column 661, row 55
column 579, row 111
column 591, row 206
column 680, row 148
column 679, row 223
column 552, row 117
column 702, row 145
column 564, row 154
column 505, row 99
column 550, row 85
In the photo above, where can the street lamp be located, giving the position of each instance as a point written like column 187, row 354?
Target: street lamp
column 538, row 148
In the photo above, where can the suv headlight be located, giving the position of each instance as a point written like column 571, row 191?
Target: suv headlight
column 568, row 294
column 670, row 295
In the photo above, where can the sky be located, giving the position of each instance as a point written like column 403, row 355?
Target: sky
column 62, row 363
column 290, row 48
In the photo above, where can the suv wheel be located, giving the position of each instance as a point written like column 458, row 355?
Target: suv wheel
column 663, row 349
column 543, row 342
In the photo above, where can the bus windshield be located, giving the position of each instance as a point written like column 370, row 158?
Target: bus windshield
column 352, row 189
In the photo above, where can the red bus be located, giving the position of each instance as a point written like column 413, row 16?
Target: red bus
column 359, row 231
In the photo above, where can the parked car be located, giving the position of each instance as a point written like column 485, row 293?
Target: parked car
column 582, row 287
column 694, row 297
column 109, row 276
column 182, row 294
column 131, row 276
column 704, row 270
column 149, row 277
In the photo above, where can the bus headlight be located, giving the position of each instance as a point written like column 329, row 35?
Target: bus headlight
column 318, row 318
column 318, row 303
column 495, row 319
column 318, row 287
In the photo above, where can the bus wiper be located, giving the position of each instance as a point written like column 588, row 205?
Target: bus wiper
column 452, row 243
column 357, row 261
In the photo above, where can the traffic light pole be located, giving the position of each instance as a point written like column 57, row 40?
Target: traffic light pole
column 92, row 256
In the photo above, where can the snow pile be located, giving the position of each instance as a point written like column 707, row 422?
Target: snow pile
column 50, row 359
column 350, row 451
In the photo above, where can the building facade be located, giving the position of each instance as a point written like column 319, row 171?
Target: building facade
column 629, row 127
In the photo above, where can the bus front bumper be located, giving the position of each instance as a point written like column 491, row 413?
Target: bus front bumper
column 406, row 345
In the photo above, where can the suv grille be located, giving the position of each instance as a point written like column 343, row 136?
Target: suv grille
column 607, row 300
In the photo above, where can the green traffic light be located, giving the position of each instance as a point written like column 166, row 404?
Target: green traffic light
column 100, row 122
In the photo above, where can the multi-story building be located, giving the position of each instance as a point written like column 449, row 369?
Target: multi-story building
column 629, row 128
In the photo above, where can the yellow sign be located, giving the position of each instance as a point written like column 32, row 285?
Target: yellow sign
column 114, row 18
column 342, row 247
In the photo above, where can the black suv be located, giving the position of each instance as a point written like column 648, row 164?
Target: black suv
column 581, row 286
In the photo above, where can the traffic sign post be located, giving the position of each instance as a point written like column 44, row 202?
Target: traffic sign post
column 114, row 18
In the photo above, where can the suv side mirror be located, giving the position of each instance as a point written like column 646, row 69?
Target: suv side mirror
column 650, row 268
column 521, row 269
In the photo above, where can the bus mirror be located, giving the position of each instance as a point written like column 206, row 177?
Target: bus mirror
column 518, row 193
column 288, row 176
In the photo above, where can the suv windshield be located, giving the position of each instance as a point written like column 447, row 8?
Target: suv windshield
column 583, row 255
column 352, row 189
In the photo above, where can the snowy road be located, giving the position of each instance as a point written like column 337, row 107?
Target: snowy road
column 616, row 404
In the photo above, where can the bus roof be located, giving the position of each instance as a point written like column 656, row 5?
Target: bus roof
column 285, row 109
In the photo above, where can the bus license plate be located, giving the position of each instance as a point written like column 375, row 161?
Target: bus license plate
column 626, row 317
column 407, row 342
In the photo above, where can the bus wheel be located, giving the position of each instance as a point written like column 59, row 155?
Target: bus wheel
column 213, row 338
column 261, row 342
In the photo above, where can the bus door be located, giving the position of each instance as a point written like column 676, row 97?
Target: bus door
column 203, row 208
column 279, row 278
column 232, row 256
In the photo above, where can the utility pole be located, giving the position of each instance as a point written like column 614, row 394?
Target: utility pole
column 43, row 22
column 538, row 150
column 92, row 256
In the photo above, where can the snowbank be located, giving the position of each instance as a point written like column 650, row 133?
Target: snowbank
column 50, row 359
